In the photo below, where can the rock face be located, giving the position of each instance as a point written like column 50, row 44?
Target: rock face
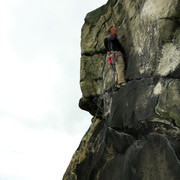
column 136, row 133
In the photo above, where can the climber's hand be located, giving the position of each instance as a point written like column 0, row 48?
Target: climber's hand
column 109, row 53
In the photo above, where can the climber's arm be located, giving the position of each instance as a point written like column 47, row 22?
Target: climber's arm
column 107, row 47
column 106, row 44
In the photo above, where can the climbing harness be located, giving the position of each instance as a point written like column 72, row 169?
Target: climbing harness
column 112, row 61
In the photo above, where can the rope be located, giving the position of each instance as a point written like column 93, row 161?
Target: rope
column 103, row 80
column 101, row 94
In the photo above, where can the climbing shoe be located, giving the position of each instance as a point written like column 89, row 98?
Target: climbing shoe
column 123, row 84
column 120, row 85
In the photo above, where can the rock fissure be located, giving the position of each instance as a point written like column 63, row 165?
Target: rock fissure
column 103, row 25
column 92, row 54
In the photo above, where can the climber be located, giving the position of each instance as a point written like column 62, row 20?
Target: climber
column 115, row 53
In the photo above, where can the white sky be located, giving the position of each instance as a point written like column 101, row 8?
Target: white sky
column 40, row 122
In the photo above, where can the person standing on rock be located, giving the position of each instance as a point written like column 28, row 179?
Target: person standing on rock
column 116, row 52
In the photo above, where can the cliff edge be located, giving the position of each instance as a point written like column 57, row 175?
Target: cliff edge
column 136, row 133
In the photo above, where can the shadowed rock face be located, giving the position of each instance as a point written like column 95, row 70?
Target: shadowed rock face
column 136, row 135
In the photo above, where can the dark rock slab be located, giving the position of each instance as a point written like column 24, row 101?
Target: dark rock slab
column 101, row 149
column 133, row 105
column 151, row 158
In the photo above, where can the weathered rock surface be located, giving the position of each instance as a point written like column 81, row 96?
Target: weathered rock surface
column 105, row 153
column 136, row 135
column 169, row 102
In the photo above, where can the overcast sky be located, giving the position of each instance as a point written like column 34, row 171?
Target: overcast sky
column 40, row 122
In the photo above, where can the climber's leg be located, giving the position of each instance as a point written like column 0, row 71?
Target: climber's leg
column 120, row 66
